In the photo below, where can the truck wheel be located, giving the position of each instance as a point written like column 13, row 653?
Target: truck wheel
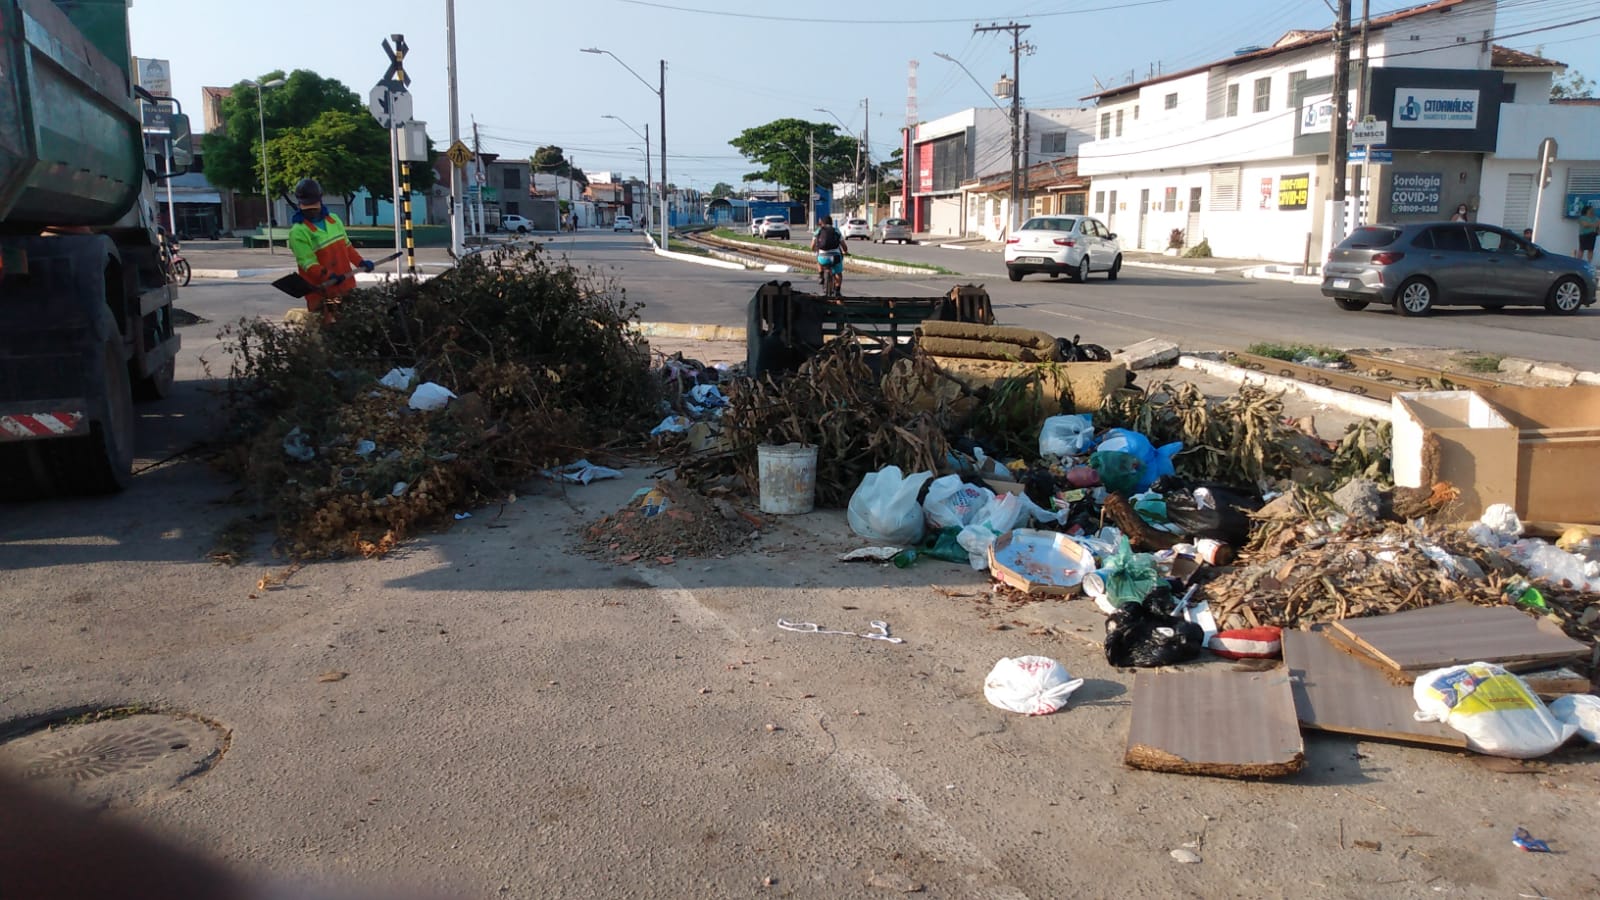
column 157, row 385
column 102, row 461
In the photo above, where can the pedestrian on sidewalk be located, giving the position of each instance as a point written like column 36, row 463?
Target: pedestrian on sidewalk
column 1588, row 230
column 322, row 250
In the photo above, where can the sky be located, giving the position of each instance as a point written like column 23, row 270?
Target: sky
column 735, row 64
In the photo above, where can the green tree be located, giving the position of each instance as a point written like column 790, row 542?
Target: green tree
column 233, row 155
column 780, row 147
column 553, row 160
column 721, row 189
column 1571, row 86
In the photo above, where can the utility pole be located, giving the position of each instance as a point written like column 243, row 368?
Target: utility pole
column 662, row 93
column 647, row 170
column 1363, row 88
column 811, row 192
column 1017, row 47
column 477, row 154
column 1339, row 139
column 457, row 212
column 866, row 154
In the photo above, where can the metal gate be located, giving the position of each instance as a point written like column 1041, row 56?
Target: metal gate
column 1519, row 202
column 1144, row 214
column 1191, row 228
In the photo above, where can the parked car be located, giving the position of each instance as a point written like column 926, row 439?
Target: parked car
column 622, row 223
column 855, row 228
column 1417, row 266
column 892, row 230
column 774, row 227
column 755, row 224
column 1074, row 245
column 516, row 224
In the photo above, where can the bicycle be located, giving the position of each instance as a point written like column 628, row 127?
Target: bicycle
column 177, row 268
column 826, row 260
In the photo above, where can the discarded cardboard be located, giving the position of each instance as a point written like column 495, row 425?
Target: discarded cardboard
column 1558, row 437
column 1040, row 562
column 1333, row 691
column 1215, row 722
column 1477, row 448
column 1453, row 634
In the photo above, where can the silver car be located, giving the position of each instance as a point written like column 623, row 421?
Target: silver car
column 1418, row 266
column 1075, row 245
column 892, row 229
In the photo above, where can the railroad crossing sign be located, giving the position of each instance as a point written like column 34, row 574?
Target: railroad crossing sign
column 392, row 108
column 397, row 61
column 459, row 155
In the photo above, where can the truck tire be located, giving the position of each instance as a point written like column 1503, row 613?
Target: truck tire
column 101, row 462
column 158, row 384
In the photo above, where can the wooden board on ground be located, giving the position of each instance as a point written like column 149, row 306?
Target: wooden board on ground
column 1453, row 634
column 1215, row 722
column 1333, row 691
column 1539, row 674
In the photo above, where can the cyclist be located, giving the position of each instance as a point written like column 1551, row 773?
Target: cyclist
column 830, row 248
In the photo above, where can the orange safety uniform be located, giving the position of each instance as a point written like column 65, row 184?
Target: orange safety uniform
column 322, row 250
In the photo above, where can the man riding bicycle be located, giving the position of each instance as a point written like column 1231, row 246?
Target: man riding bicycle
column 830, row 248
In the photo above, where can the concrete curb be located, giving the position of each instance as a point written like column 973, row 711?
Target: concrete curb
column 804, row 257
column 1340, row 400
column 238, row 273
column 1261, row 273
column 655, row 247
column 1193, row 270
column 692, row 332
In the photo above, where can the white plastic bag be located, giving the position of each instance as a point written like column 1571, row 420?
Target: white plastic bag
column 431, row 396
column 1031, row 685
column 399, row 379
column 884, row 508
column 952, row 503
column 1581, row 711
column 998, row 516
column 1495, row 710
column 1066, row 435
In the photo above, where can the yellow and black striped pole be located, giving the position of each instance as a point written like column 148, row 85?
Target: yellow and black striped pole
column 405, row 210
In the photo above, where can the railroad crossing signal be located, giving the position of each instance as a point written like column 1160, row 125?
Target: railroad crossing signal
column 397, row 61
column 459, row 155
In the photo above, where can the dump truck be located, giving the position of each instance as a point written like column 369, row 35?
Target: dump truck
column 86, row 310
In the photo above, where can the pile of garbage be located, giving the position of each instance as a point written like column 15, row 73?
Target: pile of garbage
column 424, row 398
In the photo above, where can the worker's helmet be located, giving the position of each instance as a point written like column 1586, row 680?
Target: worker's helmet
column 308, row 192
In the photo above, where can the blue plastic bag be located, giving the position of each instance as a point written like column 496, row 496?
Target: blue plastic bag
column 1154, row 462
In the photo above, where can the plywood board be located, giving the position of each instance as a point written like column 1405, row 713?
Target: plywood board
column 1538, row 674
column 1334, row 691
column 1456, row 633
column 1215, row 722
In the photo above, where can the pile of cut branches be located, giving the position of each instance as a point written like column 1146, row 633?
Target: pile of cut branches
column 544, row 361
column 837, row 403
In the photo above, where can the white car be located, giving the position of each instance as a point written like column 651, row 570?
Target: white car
column 623, row 223
column 1075, row 245
column 516, row 224
column 856, row 228
column 775, row 226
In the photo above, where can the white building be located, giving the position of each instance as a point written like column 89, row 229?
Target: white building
column 975, row 144
column 1236, row 152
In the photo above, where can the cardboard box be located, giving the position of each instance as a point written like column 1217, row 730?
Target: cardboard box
column 1477, row 448
column 1558, row 458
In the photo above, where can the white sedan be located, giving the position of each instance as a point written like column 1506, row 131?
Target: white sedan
column 856, row 228
column 1075, row 245
column 622, row 223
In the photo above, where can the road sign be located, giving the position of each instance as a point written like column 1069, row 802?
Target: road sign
column 459, row 155
column 1368, row 133
column 391, row 108
column 1371, row 155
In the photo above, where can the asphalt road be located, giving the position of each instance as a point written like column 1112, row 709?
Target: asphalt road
column 489, row 712
column 1200, row 312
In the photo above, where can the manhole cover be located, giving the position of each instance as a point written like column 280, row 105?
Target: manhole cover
column 120, row 760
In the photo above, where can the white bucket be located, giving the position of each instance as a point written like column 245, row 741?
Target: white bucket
column 788, row 478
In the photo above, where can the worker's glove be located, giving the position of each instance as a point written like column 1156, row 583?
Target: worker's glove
column 366, row 265
column 335, row 281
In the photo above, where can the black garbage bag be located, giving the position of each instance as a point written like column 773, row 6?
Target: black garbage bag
column 1214, row 511
column 1139, row 634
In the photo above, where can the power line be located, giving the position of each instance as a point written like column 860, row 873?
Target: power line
column 900, row 22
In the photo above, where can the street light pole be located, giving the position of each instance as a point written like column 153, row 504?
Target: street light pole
column 261, row 115
column 660, row 92
column 457, row 208
column 644, row 137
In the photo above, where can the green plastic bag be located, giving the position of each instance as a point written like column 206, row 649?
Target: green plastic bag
column 1119, row 472
column 1129, row 576
column 942, row 544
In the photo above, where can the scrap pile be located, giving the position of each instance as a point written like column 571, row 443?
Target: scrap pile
column 425, row 397
column 668, row 520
